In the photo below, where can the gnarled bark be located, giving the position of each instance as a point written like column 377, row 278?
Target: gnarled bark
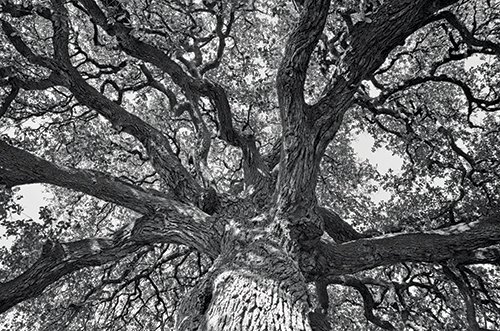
column 254, row 285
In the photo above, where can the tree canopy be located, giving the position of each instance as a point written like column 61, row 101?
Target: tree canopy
column 200, row 158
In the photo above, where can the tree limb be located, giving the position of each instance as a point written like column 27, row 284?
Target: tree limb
column 465, row 243
column 368, row 302
column 336, row 227
column 292, row 71
column 299, row 161
column 369, row 46
column 458, row 278
column 8, row 99
column 60, row 259
column 192, row 86
column 162, row 157
column 18, row 167
column 466, row 34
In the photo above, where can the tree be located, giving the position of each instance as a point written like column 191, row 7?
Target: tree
column 203, row 174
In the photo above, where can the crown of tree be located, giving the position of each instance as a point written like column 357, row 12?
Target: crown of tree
column 202, row 164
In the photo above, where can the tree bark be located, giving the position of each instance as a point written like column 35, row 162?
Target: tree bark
column 253, row 285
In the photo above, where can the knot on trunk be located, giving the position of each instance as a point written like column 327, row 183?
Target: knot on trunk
column 306, row 232
column 209, row 201
column 194, row 306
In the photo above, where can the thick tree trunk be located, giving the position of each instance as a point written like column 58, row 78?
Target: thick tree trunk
column 254, row 285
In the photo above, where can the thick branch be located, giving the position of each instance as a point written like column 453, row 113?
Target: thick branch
column 163, row 159
column 307, row 130
column 369, row 46
column 192, row 86
column 293, row 68
column 14, row 37
column 299, row 162
column 173, row 222
column 336, row 227
column 60, row 259
column 139, row 49
column 465, row 243
column 60, row 26
column 18, row 167
column 158, row 147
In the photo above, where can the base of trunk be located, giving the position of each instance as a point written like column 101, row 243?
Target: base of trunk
column 256, row 288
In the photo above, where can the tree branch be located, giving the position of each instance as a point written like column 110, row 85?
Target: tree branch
column 8, row 99
column 293, row 67
column 466, row 34
column 465, row 243
column 465, row 291
column 167, row 221
column 368, row 49
column 192, row 86
column 299, row 162
column 14, row 37
column 60, row 259
column 18, row 167
column 161, row 155
column 222, row 35
column 368, row 302
column 336, row 227
column 60, row 27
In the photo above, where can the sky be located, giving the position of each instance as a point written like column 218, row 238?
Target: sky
column 382, row 158
column 33, row 197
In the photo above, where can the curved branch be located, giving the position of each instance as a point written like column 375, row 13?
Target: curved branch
column 307, row 130
column 60, row 259
column 167, row 221
column 192, row 86
column 445, row 79
column 255, row 169
column 368, row 302
column 161, row 155
column 222, row 42
column 163, row 159
column 172, row 99
column 467, row 295
column 466, row 34
column 293, row 67
column 299, row 162
column 14, row 37
column 369, row 46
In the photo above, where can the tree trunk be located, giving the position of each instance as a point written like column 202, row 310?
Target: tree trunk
column 253, row 285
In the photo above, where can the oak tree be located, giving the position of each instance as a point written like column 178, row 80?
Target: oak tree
column 200, row 160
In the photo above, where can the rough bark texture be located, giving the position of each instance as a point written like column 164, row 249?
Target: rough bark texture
column 254, row 286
